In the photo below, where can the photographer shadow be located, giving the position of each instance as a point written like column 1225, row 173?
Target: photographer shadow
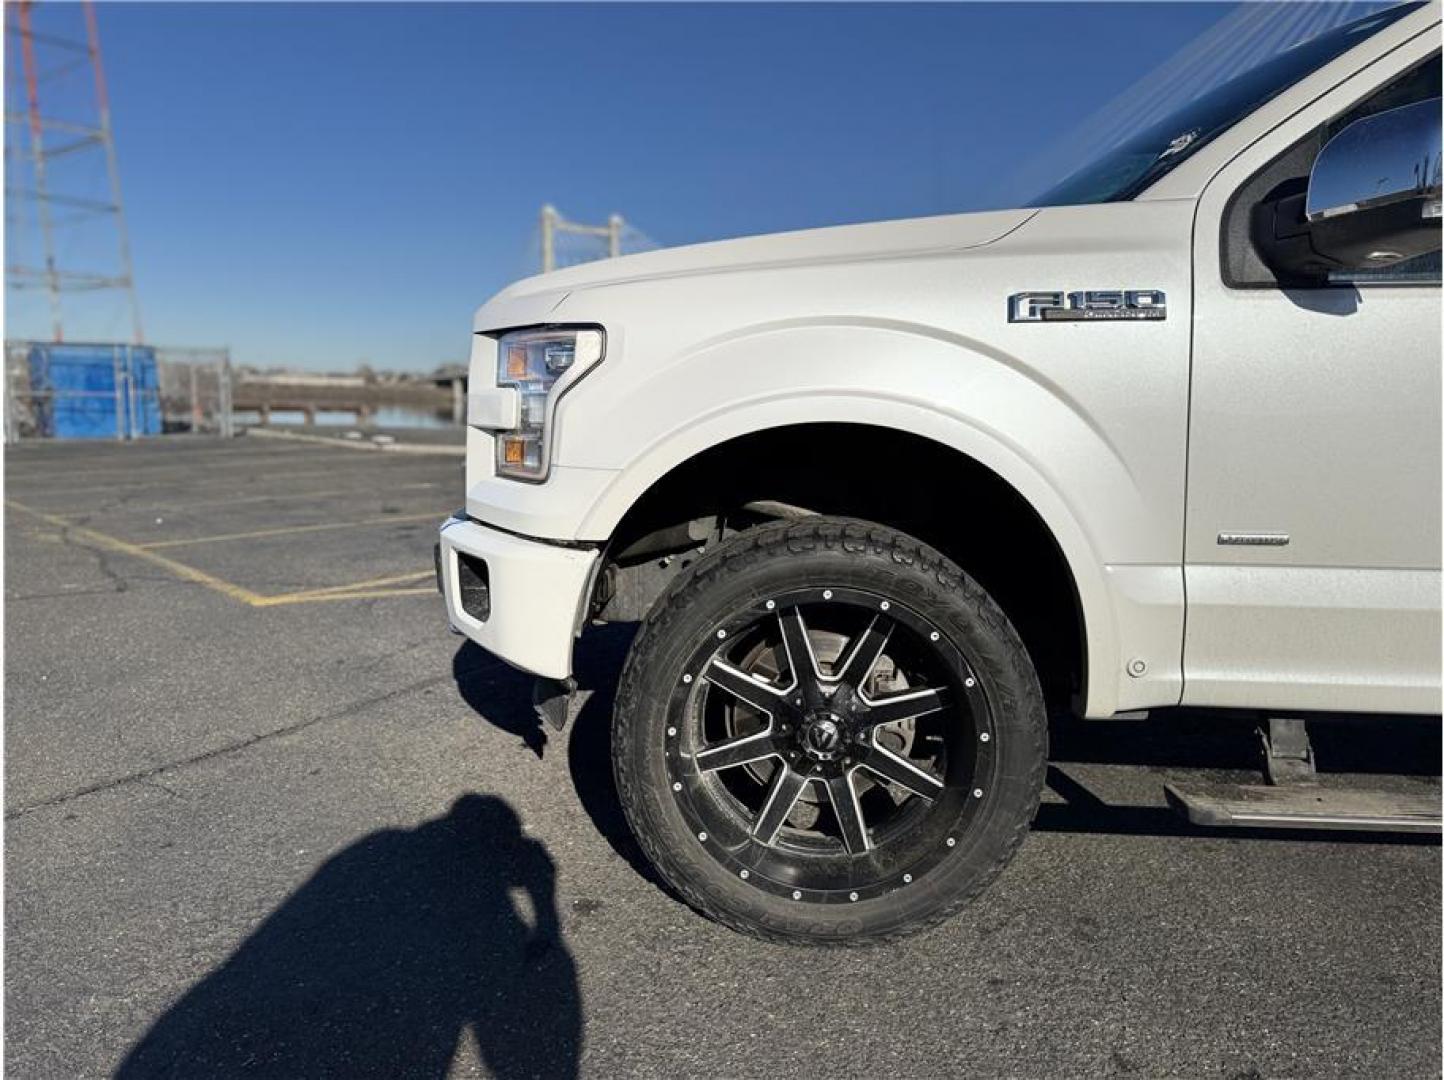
column 396, row 950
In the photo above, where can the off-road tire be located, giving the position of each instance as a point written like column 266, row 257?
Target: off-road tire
column 855, row 555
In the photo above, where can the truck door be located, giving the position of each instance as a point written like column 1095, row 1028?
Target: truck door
column 1312, row 532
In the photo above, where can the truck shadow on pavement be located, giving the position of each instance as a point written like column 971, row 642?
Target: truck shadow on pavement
column 396, row 950
column 498, row 693
column 1179, row 742
column 1083, row 811
column 1176, row 739
column 502, row 697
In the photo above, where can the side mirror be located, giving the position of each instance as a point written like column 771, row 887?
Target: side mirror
column 1372, row 199
column 1374, row 191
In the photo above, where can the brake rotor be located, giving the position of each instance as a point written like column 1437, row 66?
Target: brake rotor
column 828, row 648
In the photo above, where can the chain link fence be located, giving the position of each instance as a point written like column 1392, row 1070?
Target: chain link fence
column 195, row 389
column 114, row 391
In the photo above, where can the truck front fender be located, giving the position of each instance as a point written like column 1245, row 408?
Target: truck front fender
column 644, row 420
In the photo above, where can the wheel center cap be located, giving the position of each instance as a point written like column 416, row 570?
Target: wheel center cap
column 822, row 737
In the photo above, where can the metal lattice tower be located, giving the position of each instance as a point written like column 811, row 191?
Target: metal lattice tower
column 44, row 154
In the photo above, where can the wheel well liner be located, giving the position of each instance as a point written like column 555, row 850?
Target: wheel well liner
column 908, row 482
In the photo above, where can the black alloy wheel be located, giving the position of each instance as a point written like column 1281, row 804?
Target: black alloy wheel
column 810, row 777
column 830, row 737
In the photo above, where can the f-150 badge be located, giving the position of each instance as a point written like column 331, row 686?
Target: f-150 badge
column 1094, row 305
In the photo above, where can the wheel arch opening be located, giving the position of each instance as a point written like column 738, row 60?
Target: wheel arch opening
column 904, row 481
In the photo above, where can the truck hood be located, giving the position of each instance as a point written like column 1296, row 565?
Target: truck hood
column 846, row 243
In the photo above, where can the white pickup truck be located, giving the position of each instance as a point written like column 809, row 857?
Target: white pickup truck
column 883, row 497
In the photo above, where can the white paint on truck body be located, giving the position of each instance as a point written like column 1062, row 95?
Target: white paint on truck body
column 905, row 325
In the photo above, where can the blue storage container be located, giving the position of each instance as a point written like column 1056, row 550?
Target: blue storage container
column 95, row 391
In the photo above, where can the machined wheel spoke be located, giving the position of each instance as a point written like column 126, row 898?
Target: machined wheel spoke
column 821, row 747
column 865, row 650
column 906, row 706
column 901, row 772
column 801, row 663
column 740, row 751
column 781, row 798
column 849, row 813
column 739, row 684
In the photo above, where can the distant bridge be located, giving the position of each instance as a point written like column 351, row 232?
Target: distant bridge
column 264, row 397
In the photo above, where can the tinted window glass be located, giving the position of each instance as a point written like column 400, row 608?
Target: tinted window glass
column 1141, row 160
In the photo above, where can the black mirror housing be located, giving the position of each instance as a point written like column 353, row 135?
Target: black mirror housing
column 1281, row 236
column 1378, row 235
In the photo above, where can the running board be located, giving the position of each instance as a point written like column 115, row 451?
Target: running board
column 1303, row 806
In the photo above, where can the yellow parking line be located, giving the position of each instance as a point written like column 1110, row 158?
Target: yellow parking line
column 181, row 570
column 332, row 590
column 356, row 590
column 40, row 485
column 373, row 583
column 290, row 529
column 365, row 594
column 180, row 508
column 139, row 473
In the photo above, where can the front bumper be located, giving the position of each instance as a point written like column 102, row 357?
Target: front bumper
column 520, row 599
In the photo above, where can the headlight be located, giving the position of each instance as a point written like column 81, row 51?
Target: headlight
column 540, row 365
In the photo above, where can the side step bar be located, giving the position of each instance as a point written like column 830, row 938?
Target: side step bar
column 1303, row 806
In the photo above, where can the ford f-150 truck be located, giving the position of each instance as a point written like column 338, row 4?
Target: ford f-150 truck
column 885, row 497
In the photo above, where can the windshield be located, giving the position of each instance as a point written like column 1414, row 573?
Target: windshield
column 1138, row 161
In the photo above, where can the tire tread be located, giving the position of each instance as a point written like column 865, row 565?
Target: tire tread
column 740, row 552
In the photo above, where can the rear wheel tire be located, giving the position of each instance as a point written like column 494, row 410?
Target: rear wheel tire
column 826, row 732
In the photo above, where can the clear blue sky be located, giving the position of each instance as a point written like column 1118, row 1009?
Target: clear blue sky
column 318, row 184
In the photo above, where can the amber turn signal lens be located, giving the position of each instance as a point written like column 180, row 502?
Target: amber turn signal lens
column 512, row 451
column 516, row 362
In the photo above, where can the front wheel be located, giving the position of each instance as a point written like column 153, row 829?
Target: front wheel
column 827, row 732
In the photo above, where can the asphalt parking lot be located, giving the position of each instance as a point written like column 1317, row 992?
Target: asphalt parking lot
column 266, row 817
